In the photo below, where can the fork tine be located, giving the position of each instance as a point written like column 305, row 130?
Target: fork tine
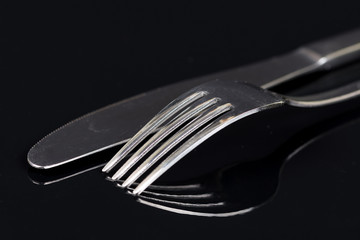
column 160, row 135
column 179, row 153
column 152, row 125
column 173, row 141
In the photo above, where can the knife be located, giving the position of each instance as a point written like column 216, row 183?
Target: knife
column 115, row 124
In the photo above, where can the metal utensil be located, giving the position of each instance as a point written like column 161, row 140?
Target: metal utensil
column 115, row 124
column 217, row 104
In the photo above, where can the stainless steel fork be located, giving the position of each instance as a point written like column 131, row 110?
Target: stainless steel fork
column 203, row 111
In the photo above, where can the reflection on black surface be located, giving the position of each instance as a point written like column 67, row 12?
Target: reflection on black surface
column 61, row 173
column 235, row 190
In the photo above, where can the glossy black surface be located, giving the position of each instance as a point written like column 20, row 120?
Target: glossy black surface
column 60, row 61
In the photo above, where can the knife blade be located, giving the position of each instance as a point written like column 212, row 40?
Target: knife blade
column 102, row 129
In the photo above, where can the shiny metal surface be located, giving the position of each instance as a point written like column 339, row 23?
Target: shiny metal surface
column 237, row 102
column 115, row 124
column 161, row 134
column 101, row 129
column 152, row 125
column 244, row 100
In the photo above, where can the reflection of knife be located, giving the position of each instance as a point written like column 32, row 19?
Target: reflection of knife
column 116, row 123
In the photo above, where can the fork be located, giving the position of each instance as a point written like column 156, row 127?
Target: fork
column 203, row 111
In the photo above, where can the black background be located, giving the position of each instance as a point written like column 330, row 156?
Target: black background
column 61, row 60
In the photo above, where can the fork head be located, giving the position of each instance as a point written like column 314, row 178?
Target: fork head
column 184, row 124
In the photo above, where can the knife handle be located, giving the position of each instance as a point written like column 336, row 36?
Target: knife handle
column 336, row 51
column 318, row 56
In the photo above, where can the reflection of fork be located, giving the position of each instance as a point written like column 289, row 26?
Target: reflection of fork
column 220, row 194
column 240, row 188
column 210, row 107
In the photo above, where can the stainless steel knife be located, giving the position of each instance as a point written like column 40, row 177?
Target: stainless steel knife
column 115, row 124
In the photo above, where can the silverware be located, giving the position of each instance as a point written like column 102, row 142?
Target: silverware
column 115, row 124
column 208, row 108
